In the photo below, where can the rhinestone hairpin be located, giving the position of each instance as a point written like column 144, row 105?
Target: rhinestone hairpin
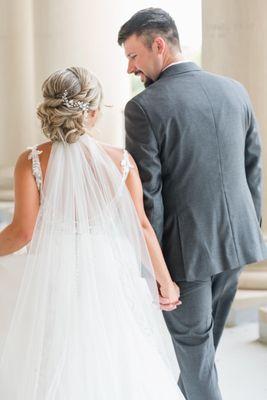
column 73, row 104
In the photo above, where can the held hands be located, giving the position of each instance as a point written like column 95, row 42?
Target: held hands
column 169, row 297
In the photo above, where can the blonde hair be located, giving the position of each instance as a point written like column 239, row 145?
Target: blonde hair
column 60, row 122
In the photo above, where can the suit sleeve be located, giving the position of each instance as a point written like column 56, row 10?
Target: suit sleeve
column 143, row 146
column 253, row 162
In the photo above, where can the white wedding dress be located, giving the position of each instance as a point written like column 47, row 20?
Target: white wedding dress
column 79, row 318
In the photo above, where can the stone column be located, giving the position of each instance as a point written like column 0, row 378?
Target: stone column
column 85, row 34
column 234, row 44
column 37, row 38
column 17, row 124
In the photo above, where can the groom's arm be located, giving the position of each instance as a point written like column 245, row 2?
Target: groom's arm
column 253, row 163
column 142, row 145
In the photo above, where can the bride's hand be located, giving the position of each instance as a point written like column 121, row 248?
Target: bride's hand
column 169, row 296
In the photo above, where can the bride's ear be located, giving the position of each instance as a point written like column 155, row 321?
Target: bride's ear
column 93, row 114
column 91, row 117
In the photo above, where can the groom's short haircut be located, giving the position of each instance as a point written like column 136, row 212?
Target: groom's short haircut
column 149, row 23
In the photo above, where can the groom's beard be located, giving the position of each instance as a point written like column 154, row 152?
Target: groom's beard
column 148, row 82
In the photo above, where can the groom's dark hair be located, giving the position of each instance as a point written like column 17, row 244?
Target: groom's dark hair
column 149, row 23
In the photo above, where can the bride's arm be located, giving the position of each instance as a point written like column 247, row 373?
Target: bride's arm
column 169, row 291
column 17, row 234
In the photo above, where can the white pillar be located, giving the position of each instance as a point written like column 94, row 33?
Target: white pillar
column 40, row 37
column 84, row 33
column 234, row 44
column 17, row 125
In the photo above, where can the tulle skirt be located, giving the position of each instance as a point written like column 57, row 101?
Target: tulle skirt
column 105, row 340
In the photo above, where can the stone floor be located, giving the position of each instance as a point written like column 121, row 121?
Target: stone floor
column 242, row 364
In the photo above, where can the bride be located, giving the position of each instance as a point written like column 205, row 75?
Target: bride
column 80, row 310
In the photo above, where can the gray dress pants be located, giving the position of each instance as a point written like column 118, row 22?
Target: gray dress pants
column 196, row 328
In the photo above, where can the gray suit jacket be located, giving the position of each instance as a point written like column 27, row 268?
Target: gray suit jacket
column 195, row 140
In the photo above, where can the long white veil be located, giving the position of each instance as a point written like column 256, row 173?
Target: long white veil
column 87, row 238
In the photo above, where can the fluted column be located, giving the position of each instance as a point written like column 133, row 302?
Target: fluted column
column 84, row 33
column 234, row 44
column 17, row 103
column 38, row 37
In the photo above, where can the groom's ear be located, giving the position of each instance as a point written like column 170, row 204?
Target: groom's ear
column 159, row 44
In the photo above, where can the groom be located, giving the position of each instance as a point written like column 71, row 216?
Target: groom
column 195, row 140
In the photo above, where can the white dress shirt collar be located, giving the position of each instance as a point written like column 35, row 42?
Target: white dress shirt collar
column 174, row 63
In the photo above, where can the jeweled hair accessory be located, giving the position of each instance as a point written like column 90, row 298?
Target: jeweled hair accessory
column 82, row 105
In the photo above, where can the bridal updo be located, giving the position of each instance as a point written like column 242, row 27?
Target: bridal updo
column 68, row 94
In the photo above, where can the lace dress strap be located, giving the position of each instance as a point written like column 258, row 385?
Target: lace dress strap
column 126, row 165
column 36, row 168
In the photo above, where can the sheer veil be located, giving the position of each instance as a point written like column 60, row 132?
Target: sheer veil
column 87, row 237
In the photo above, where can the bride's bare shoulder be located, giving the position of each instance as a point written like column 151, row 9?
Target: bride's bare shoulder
column 25, row 162
column 114, row 152
column 117, row 155
column 45, row 147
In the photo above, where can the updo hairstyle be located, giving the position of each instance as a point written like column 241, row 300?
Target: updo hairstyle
column 68, row 94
